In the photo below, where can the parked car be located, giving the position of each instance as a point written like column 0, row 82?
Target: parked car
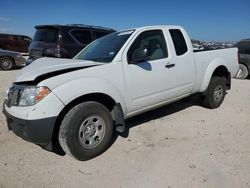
column 10, row 59
column 63, row 41
column 244, row 50
column 81, row 101
column 17, row 43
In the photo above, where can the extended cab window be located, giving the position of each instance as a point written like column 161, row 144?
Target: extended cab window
column 82, row 36
column 179, row 41
column 154, row 41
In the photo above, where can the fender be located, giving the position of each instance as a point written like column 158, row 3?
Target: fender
column 210, row 70
column 87, row 85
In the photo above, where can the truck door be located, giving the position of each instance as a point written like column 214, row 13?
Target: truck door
column 153, row 81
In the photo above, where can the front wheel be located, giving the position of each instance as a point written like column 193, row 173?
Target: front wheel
column 86, row 131
column 215, row 92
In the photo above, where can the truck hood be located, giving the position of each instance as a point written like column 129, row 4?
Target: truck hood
column 48, row 67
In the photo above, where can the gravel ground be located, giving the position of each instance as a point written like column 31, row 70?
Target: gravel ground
column 180, row 145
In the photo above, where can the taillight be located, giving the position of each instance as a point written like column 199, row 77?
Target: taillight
column 238, row 56
column 55, row 52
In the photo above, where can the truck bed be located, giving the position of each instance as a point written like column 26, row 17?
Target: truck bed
column 208, row 58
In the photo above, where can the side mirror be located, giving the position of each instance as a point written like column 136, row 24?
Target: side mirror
column 140, row 54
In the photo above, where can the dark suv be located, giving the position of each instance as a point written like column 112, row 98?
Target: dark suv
column 63, row 41
column 244, row 67
column 17, row 43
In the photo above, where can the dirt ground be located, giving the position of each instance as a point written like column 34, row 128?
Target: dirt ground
column 180, row 145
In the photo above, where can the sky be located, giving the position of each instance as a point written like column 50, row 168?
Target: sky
column 206, row 20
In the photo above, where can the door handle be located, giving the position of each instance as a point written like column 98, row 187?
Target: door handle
column 169, row 65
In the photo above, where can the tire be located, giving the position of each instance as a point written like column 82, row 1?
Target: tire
column 215, row 93
column 86, row 131
column 242, row 72
column 6, row 63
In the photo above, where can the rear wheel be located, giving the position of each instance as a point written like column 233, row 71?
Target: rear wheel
column 6, row 63
column 86, row 130
column 242, row 72
column 215, row 92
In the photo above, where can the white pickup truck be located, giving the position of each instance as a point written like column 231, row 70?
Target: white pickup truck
column 81, row 102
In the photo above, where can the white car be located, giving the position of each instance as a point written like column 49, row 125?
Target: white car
column 82, row 101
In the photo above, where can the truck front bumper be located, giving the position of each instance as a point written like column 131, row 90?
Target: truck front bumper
column 36, row 131
column 34, row 123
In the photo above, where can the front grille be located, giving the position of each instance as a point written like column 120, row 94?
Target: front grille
column 14, row 95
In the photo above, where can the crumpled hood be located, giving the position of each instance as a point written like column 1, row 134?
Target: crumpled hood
column 47, row 65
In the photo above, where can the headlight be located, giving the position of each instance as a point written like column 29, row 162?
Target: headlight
column 32, row 94
column 8, row 90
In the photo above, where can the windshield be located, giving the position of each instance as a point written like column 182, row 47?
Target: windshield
column 105, row 49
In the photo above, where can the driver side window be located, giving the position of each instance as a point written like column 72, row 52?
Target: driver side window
column 152, row 40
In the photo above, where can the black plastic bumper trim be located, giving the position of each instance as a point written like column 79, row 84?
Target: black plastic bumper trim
column 36, row 131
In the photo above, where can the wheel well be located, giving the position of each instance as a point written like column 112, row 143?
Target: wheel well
column 222, row 71
column 97, row 97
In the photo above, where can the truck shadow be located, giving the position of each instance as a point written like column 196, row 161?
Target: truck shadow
column 158, row 113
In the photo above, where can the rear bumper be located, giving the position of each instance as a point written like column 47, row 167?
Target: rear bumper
column 36, row 131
